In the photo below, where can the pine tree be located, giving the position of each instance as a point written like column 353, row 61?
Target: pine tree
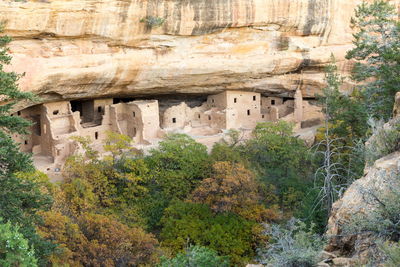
column 20, row 199
column 377, row 56
column 11, row 159
column 14, row 248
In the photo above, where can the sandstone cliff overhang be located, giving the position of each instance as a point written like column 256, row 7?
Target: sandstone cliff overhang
column 87, row 49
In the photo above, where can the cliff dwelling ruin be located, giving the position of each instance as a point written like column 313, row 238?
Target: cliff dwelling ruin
column 146, row 121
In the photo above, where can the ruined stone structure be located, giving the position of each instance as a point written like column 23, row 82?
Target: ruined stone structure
column 238, row 110
column 54, row 124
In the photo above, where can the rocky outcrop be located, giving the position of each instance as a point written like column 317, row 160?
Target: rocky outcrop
column 356, row 201
column 96, row 48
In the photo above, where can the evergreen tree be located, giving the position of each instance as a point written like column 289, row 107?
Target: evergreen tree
column 345, row 126
column 337, row 157
column 10, row 159
column 345, row 113
column 20, row 199
column 377, row 55
column 14, row 248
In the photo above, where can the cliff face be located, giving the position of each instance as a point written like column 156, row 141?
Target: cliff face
column 93, row 48
column 356, row 201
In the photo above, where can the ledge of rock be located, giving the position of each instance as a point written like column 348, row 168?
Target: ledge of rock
column 91, row 48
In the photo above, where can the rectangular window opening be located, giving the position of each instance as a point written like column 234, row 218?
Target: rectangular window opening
column 55, row 112
column 209, row 118
column 272, row 102
column 254, row 98
column 235, row 100
column 96, row 135
column 99, row 109
column 248, row 112
column 134, row 114
column 173, row 120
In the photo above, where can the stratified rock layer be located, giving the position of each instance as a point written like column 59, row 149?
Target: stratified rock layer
column 88, row 48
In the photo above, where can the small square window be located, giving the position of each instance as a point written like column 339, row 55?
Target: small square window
column 26, row 142
column 99, row 109
column 254, row 98
column 263, row 116
column 272, row 102
column 19, row 113
column 55, row 112
column 173, row 120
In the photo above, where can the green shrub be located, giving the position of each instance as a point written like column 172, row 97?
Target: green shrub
column 293, row 245
column 14, row 248
column 186, row 223
column 385, row 140
column 392, row 254
column 196, row 256
column 153, row 22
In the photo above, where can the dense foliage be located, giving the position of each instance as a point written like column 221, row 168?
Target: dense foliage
column 229, row 234
column 179, row 205
column 14, row 248
column 281, row 163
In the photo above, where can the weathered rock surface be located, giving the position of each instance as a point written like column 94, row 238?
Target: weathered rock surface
column 94, row 48
column 353, row 248
column 377, row 177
